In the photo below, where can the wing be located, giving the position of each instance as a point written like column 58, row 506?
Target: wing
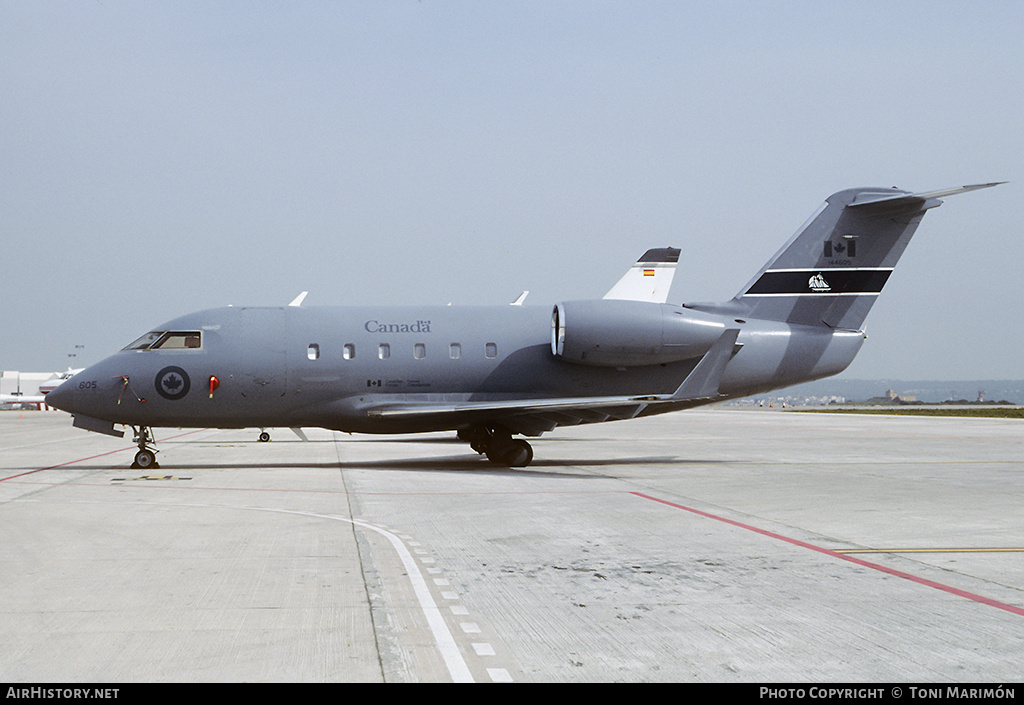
column 22, row 398
column 535, row 416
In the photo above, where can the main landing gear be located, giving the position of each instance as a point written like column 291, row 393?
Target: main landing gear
column 498, row 445
column 145, row 459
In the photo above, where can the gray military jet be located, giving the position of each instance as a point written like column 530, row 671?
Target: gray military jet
column 492, row 373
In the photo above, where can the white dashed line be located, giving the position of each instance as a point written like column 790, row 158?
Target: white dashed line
column 483, row 649
column 499, row 675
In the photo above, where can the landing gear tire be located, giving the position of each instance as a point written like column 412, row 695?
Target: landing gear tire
column 516, row 453
column 264, row 437
column 523, row 455
column 498, row 445
column 145, row 459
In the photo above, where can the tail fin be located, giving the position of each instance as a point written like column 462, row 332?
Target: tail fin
column 649, row 279
column 835, row 266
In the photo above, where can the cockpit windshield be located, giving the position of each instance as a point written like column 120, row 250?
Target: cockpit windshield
column 169, row 340
column 145, row 341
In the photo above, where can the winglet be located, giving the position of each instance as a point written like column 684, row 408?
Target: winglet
column 297, row 301
column 649, row 279
column 703, row 381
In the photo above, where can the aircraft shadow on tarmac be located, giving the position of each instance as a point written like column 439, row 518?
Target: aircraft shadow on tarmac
column 457, row 463
column 467, row 464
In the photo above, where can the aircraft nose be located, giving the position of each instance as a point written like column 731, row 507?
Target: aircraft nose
column 62, row 397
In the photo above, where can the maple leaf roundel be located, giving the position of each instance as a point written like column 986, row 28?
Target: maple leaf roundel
column 172, row 383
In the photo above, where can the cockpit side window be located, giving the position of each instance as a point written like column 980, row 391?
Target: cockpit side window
column 169, row 340
column 179, row 340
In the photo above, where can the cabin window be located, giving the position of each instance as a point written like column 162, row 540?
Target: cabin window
column 455, row 351
column 419, row 351
column 313, row 351
column 384, row 351
column 348, row 351
column 491, row 350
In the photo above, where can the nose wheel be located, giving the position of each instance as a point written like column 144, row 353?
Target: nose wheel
column 145, row 459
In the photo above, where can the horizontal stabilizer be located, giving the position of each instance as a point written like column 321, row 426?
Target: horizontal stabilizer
column 649, row 279
column 903, row 199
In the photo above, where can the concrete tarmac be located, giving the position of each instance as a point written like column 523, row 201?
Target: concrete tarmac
column 710, row 545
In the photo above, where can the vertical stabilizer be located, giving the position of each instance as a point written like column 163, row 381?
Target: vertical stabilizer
column 835, row 266
column 649, row 279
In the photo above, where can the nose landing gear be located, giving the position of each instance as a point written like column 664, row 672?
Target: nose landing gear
column 499, row 446
column 145, row 459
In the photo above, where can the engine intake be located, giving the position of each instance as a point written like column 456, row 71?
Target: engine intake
column 619, row 333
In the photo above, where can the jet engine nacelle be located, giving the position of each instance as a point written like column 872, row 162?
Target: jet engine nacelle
column 619, row 333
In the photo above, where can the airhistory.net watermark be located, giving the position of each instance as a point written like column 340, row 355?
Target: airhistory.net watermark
column 44, row 693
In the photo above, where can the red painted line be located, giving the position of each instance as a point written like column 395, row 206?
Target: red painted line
column 91, row 457
column 70, row 462
column 803, row 544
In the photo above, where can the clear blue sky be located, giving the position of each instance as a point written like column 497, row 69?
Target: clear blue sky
column 162, row 157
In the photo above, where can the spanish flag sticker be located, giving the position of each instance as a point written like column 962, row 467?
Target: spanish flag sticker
column 648, row 272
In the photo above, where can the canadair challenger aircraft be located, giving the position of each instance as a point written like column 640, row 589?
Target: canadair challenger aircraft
column 491, row 373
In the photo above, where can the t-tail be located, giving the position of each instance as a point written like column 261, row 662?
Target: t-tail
column 649, row 279
column 833, row 269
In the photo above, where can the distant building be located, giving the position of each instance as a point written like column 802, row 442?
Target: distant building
column 892, row 397
column 23, row 389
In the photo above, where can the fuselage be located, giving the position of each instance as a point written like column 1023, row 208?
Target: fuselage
column 238, row 367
